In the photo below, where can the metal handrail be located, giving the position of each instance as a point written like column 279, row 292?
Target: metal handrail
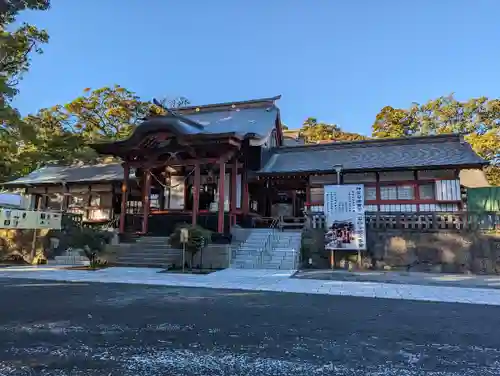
column 266, row 247
column 271, row 238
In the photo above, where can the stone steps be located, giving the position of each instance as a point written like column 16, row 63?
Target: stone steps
column 281, row 256
column 153, row 251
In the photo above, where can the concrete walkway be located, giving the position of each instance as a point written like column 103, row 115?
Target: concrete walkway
column 262, row 280
column 403, row 277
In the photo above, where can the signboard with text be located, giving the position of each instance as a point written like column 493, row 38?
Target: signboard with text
column 344, row 208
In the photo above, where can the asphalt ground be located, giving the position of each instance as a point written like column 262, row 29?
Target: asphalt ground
column 52, row 328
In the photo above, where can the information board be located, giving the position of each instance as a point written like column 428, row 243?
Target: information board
column 26, row 219
column 344, row 209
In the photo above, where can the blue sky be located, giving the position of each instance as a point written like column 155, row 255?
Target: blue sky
column 338, row 60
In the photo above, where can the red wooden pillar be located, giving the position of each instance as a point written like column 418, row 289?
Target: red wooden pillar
column 245, row 201
column 234, row 172
column 196, row 193
column 222, row 175
column 125, row 189
column 145, row 200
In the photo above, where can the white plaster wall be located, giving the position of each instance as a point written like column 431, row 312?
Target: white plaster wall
column 177, row 189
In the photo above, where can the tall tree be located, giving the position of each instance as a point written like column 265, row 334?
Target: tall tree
column 17, row 45
column 104, row 114
column 174, row 102
column 62, row 133
column 477, row 118
column 393, row 123
column 313, row 131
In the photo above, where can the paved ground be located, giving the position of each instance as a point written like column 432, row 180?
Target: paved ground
column 263, row 280
column 411, row 278
column 55, row 328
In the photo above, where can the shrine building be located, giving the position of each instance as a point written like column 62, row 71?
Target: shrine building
column 225, row 164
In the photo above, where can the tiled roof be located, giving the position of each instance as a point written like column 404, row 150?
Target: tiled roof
column 259, row 121
column 442, row 150
column 72, row 174
column 255, row 119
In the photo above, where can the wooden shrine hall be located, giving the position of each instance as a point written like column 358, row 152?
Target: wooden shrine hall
column 225, row 164
column 231, row 163
column 194, row 164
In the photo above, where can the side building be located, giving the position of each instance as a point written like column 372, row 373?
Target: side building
column 93, row 191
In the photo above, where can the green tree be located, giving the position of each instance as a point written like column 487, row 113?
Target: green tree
column 105, row 114
column 16, row 47
column 477, row 118
column 17, row 44
column 393, row 123
column 61, row 133
column 48, row 137
column 313, row 131
column 174, row 102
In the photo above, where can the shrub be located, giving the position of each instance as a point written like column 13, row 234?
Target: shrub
column 82, row 238
column 198, row 238
column 313, row 246
column 92, row 242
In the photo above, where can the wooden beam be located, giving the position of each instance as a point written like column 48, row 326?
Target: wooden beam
column 222, row 176
column 186, row 162
column 125, row 191
column 196, row 193
column 145, row 201
column 245, row 200
column 234, row 173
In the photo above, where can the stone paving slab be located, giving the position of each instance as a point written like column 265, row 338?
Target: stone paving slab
column 262, row 280
column 403, row 277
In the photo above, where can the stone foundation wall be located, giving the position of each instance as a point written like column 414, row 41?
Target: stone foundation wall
column 215, row 256
column 446, row 251
column 18, row 244
column 442, row 251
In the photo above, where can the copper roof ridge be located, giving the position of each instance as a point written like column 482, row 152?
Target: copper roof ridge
column 374, row 142
column 226, row 104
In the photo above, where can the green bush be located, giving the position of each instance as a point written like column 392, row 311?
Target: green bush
column 90, row 238
column 313, row 245
column 199, row 238
column 92, row 241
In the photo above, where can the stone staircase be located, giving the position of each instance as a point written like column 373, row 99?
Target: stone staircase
column 263, row 250
column 153, row 251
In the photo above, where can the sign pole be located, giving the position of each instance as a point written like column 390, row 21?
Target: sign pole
column 183, row 256
column 184, row 239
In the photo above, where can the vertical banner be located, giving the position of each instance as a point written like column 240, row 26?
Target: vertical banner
column 344, row 208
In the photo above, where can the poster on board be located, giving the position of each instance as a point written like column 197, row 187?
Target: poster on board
column 344, row 208
column 29, row 220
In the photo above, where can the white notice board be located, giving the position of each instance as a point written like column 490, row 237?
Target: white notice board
column 344, row 208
